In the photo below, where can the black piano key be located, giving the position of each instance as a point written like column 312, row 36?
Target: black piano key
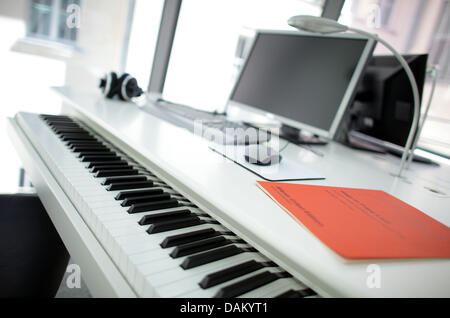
column 146, row 199
column 56, row 117
column 111, row 163
column 55, row 122
column 82, row 134
column 60, row 120
column 246, row 285
column 64, row 124
column 111, row 167
column 116, row 172
column 174, row 224
column 85, row 143
column 70, row 130
column 80, row 149
column 164, row 216
column 52, row 122
column 137, row 193
column 289, row 294
column 57, row 128
column 53, row 116
column 199, row 246
column 229, row 273
column 78, row 138
column 89, row 145
column 75, row 132
column 70, row 141
column 152, row 206
column 100, row 158
column 62, row 132
column 297, row 293
column 65, row 119
column 120, row 179
column 129, row 185
column 90, row 141
column 184, row 238
column 96, row 153
column 211, row 256
column 102, row 167
column 307, row 292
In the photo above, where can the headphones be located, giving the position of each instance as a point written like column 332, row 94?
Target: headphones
column 125, row 87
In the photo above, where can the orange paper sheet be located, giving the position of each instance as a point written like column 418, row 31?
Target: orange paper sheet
column 362, row 224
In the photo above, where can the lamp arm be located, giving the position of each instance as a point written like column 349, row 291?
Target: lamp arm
column 415, row 90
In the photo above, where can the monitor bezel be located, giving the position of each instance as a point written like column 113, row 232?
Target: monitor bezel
column 346, row 99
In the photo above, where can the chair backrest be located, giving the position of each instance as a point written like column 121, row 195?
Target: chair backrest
column 33, row 257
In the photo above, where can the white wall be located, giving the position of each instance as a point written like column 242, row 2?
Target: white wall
column 24, row 87
column 15, row 9
column 101, row 38
column 27, row 75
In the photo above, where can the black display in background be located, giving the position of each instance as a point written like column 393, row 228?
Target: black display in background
column 384, row 104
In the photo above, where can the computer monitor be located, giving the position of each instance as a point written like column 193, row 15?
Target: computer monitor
column 303, row 80
column 384, row 103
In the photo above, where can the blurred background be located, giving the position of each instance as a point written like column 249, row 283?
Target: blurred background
column 48, row 43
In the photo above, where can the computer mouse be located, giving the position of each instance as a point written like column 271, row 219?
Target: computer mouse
column 261, row 155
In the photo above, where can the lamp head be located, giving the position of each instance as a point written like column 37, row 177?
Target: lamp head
column 316, row 24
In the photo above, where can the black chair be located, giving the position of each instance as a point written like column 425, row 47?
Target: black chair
column 33, row 258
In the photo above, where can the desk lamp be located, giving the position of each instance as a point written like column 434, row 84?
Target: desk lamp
column 327, row 26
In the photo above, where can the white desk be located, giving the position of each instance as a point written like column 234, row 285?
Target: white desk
column 229, row 193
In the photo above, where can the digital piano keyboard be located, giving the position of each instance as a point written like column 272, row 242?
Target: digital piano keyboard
column 146, row 216
column 163, row 244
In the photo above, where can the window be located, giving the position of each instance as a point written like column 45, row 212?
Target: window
column 435, row 135
column 414, row 27
column 210, row 39
column 144, row 29
column 53, row 20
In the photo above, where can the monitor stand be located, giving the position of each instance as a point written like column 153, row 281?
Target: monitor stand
column 299, row 137
column 363, row 145
column 364, row 142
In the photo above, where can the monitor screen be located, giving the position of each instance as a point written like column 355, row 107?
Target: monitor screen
column 384, row 104
column 302, row 77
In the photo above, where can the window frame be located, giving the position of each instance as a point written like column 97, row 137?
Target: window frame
column 54, row 26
